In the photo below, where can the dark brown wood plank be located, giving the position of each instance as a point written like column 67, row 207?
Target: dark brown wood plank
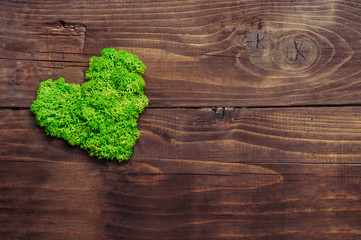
column 198, row 53
column 284, row 173
column 289, row 135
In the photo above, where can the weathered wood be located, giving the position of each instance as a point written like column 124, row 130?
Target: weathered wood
column 284, row 173
column 196, row 172
column 198, row 53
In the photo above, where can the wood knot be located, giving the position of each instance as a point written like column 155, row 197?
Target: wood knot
column 299, row 50
column 257, row 40
column 224, row 113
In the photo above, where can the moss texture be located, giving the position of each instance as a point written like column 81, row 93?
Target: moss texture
column 101, row 114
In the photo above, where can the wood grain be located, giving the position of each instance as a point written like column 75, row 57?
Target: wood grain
column 198, row 53
column 277, row 173
column 253, row 130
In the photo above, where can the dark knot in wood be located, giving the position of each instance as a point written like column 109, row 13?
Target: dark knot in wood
column 297, row 50
column 257, row 41
column 225, row 113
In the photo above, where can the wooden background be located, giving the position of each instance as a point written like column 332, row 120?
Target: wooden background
column 253, row 129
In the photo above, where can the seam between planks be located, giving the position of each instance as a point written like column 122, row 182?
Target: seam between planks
column 228, row 106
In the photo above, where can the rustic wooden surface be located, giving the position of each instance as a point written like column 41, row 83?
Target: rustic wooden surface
column 253, row 129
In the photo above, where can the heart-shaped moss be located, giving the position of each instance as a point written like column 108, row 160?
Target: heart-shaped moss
column 101, row 114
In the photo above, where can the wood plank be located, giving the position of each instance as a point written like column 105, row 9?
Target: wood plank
column 198, row 53
column 286, row 135
column 280, row 173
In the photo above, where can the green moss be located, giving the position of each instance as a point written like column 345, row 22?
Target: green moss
column 101, row 114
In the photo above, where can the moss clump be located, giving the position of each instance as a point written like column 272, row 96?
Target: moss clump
column 101, row 114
